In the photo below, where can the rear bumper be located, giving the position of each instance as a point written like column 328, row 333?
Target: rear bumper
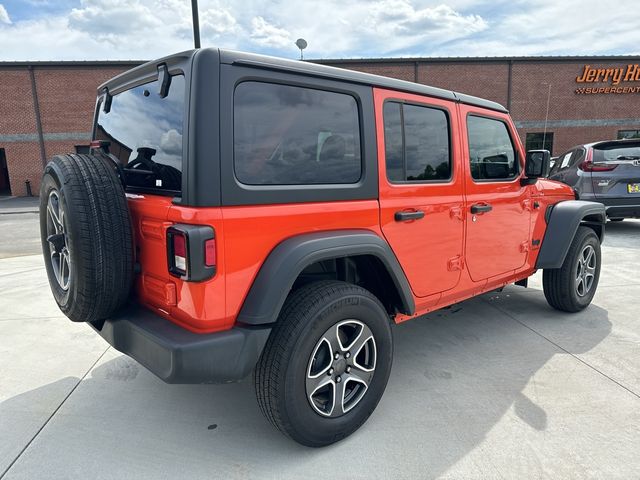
column 179, row 356
column 621, row 207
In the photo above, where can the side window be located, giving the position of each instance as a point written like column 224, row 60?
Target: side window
column 286, row 135
column 491, row 150
column 416, row 143
column 564, row 160
column 558, row 163
column 578, row 155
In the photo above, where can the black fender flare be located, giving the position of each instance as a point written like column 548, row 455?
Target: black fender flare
column 289, row 258
column 562, row 224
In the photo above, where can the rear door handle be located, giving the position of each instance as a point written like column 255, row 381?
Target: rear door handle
column 481, row 208
column 404, row 216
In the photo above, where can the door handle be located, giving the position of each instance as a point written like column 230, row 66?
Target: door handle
column 404, row 216
column 481, row 208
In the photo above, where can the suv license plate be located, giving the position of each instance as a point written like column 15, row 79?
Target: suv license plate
column 633, row 187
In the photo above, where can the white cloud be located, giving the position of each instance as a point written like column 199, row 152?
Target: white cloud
column 268, row 35
column 112, row 19
column 404, row 26
column 171, row 142
column 402, row 18
column 217, row 21
column 4, row 16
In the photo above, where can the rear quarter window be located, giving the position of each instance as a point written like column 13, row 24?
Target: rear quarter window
column 288, row 135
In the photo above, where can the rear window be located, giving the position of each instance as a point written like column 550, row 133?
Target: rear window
column 616, row 152
column 144, row 131
column 286, row 135
column 416, row 143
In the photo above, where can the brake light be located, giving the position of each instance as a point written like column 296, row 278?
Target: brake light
column 179, row 244
column 191, row 252
column 100, row 145
column 588, row 166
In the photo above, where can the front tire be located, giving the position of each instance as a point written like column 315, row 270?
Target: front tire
column 326, row 363
column 571, row 287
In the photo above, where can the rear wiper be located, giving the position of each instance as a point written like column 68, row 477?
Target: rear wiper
column 628, row 157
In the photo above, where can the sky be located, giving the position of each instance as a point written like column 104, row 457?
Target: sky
column 147, row 29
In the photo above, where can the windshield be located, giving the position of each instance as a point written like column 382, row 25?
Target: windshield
column 144, row 131
column 612, row 153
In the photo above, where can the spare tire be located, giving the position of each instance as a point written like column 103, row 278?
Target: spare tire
column 86, row 235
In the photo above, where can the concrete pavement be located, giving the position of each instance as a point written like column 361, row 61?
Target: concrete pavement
column 501, row 386
column 19, row 229
column 19, row 205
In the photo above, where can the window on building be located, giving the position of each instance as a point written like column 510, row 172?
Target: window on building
column 286, row 135
column 539, row 141
column 491, row 150
column 5, row 188
column 622, row 134
column 416, row 143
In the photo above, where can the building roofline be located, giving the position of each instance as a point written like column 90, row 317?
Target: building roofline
column 335, row 61
column 71, row 63
column 521, row 59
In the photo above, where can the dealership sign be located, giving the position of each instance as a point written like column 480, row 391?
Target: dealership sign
column 613, row 76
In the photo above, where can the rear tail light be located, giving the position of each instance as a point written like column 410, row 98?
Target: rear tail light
column 179, row 246
column 588, row 166
column 191, row 252
column 100, row 145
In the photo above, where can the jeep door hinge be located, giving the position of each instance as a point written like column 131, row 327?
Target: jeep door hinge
column 455, row 263
column 524, row 247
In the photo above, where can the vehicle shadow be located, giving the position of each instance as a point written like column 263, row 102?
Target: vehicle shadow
column 456, row 373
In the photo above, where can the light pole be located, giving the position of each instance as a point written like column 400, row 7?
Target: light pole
column 196, row 23
column 546, row 117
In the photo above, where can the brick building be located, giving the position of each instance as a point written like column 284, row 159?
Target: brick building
column 46, row 107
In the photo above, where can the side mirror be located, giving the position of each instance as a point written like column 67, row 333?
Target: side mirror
column 536, row 165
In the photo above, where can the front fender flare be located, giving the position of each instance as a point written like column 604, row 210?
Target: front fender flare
column 289, row 258
column 562, row 225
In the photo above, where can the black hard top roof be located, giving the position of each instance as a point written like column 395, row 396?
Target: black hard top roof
column 233, row 57
column 314, row 69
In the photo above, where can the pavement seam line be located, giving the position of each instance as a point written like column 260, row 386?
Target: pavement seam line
column 563, row 349
column 24, row 449
column 20, row 213
column 21, row 271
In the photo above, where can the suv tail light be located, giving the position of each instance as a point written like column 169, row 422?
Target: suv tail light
column 100, row 145
column 588, row 166
column 179, row 246
column 191, row 252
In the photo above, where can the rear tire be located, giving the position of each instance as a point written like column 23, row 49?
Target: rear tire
column 299, row 377
column 571, row 287
column 86, row 236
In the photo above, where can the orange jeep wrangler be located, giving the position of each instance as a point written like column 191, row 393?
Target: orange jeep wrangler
column 243, row 213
